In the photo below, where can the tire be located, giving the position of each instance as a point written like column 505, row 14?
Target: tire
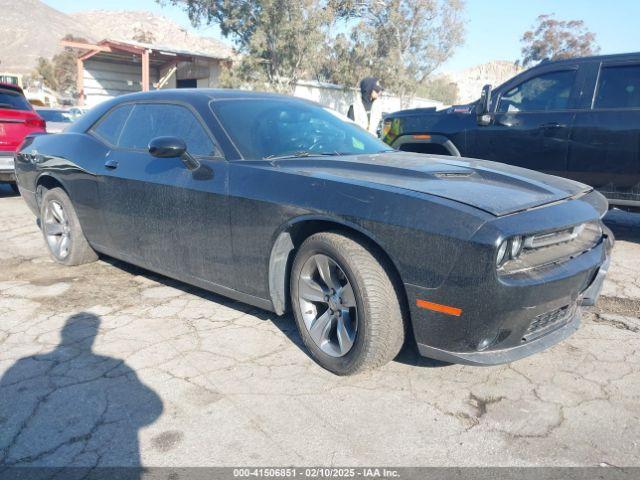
column 377, row 334
column 59, row 223
column 14, row 187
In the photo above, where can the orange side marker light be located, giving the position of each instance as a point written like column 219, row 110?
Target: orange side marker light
column 436, row 307
column 422, row 137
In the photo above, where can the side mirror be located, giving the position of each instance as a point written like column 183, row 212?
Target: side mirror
column 172, row 147
column 167, row 147
column 484, row 105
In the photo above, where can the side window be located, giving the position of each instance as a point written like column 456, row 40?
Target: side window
column 549, row 91
column 149, row 120
column 110, row 125
column 618, row 87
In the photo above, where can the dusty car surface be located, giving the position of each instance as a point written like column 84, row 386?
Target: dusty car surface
column 279, row 203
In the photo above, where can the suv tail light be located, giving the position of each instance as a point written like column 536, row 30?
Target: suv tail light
column 36, row 122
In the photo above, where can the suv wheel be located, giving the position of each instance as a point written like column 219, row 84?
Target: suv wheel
column 61, row 229
column 345, row 304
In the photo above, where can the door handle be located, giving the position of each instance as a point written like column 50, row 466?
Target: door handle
column 552, row 125
column 111, row 163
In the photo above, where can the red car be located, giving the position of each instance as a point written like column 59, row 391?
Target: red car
column 17, row 120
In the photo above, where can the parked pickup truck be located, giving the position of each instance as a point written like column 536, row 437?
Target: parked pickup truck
column 577, row 118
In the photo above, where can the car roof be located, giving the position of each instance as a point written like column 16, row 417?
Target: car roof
column 185, row 95
column 11, row 86
column 211, row 93
column 574, row 60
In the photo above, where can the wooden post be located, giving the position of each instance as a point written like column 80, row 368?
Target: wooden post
column 145, row 71
column 80, row 81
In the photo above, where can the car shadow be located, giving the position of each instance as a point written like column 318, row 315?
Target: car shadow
column 284, row 323
column 624, row 225
column 409, row 354
column 71, row 408
column 7, row 191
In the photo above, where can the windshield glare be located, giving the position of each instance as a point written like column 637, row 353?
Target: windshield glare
column 264, row 128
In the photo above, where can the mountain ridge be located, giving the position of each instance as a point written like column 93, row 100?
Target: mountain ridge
column 26, row 39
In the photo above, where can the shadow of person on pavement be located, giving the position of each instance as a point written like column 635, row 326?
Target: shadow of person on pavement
column 73, row 408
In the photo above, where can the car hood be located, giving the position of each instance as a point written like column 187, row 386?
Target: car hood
column 496, row 188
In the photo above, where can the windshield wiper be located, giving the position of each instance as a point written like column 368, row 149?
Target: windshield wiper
column 301, row 154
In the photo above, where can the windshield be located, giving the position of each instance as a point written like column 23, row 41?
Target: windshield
column 268, row 128
column 55, row 116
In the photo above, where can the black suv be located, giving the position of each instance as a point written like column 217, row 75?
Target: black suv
column 577, row 118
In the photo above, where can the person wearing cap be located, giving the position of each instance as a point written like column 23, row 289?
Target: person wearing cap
column 366, row 110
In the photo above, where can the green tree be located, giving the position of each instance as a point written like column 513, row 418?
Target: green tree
column 439, row 88
column 143, row 36
column 556, row 39
column 60, row 72
column 402, row 41
column 44, row 71
column 277, row 40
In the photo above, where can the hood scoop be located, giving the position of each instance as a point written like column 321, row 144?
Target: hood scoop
column 453, row 174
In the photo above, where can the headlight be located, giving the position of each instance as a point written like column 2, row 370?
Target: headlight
column 510, row 249
column 502, row 253
column 516, row 247
column 520, row 253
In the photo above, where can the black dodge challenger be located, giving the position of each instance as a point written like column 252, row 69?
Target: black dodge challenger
column 280, row 203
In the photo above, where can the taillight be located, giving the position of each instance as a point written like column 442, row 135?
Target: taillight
column 36, row 122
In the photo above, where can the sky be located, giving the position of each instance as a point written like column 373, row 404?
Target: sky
column 493, row 27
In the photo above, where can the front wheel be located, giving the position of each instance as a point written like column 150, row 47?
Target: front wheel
column 345, row 304
column 61, row 229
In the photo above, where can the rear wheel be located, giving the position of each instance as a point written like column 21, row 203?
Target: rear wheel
column 345, row 304
column 61, row 229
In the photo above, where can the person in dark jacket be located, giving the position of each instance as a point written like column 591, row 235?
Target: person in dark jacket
column 366, row 110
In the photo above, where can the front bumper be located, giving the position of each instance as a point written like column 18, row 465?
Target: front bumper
column 498, row 320
column 7, row 170
column 505, row 355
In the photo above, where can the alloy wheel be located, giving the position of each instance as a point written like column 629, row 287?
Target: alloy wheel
column 328, row 305
column 56, row 229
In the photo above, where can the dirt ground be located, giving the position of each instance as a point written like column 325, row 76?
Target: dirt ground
column 107, row 364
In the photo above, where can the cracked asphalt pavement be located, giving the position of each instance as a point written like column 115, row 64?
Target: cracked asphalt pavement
column 109, row 365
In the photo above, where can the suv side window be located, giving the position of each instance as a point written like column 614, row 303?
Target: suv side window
column 109, row 127
column 618, row 87
column 150, row 120
column 546, row 92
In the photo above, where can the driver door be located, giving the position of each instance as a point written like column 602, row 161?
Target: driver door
column 160, row 214
column 531, row 122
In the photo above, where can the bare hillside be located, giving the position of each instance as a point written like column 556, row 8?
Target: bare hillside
column 31, row 29
column 471, row 80
column 127, row 24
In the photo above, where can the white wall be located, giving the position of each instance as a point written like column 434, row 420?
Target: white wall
column 106, row 80
column 339, row 98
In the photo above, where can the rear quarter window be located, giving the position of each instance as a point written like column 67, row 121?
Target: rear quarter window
column 11, row 99
column 109, row 127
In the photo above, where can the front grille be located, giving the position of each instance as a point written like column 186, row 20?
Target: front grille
column 548, row 321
